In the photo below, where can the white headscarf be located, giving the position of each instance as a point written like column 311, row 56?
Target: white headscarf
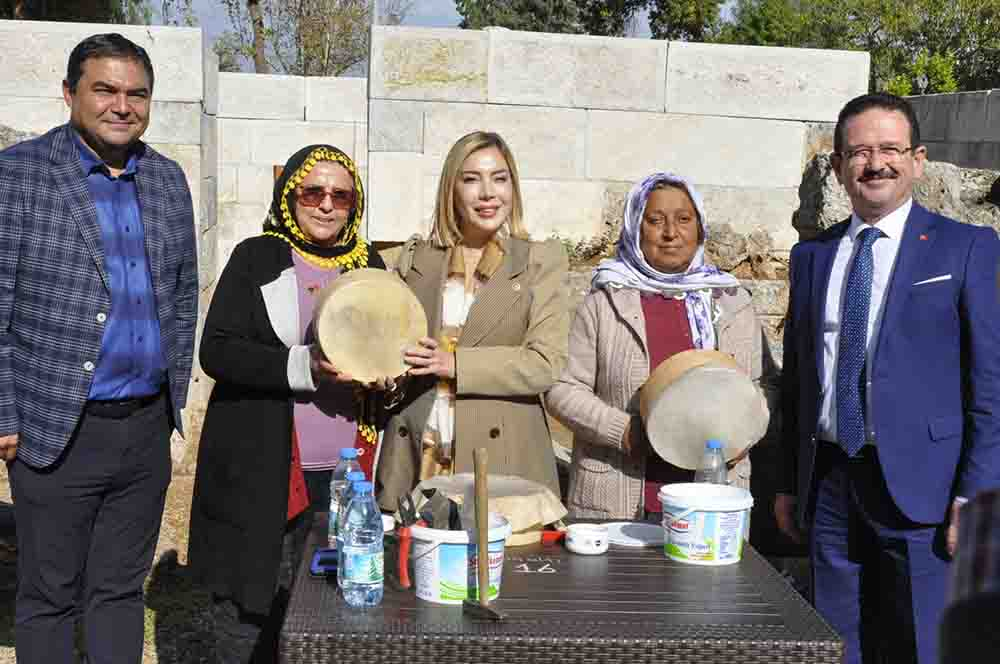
column 630, row 269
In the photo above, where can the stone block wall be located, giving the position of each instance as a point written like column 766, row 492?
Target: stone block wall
column 261, row 121
column 587, row 116
column 962, row 128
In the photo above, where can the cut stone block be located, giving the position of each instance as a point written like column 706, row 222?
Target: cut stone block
column 576, row 71
column 237, row 222
column 396, row 126
column 361, row 144
column 395, row 196
column 174, row 122
column 234, row 138
column 747, row 210
column 274, row 142
column 762, row 81
column 34, row 115
column 562, row 208
column 961, row 117
column 546, row 142
column 207, row 267
column 210, row 81
column 428, row 63
column 227, row 183
column 209, row 145
column 33, row 57
column 255, row 183
column 967, row 155
column 336, row 99
column 261, row 96
column 209, row 204
column 731, row 152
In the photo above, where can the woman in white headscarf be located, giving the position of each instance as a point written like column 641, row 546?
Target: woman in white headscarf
column 657, row 297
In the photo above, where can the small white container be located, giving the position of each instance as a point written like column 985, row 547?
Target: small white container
column 588, row 539
column 388, row 523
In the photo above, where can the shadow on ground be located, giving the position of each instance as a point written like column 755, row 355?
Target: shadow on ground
column 178, row 624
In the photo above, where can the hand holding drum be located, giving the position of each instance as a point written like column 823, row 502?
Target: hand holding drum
column 363, row 321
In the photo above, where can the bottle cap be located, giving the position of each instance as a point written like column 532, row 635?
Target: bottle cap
column 349, row 453
column 362, row 487
column 714, row 444
column 355, row 476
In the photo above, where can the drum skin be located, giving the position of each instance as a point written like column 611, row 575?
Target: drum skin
column 364, row 319
column 699, row 395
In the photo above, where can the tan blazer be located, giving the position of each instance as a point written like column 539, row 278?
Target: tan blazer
column 597, row 395
column 511, row 350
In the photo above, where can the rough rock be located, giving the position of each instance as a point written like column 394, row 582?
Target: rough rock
column 745, row 256
column 9, row 136
column 955, row 192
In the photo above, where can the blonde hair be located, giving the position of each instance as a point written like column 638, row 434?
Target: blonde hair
column 446, row 231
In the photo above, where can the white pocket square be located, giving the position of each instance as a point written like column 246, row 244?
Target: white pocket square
column 943, row 277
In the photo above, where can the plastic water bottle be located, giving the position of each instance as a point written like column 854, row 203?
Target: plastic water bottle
column 338, row 482
column 713, row 464
column 362, row 569
column 353, row 478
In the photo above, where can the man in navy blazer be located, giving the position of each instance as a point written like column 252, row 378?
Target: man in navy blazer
column 892, row 391
column 98, row 304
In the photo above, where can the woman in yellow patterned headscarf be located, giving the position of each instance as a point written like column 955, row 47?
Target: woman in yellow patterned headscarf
column 280, row 416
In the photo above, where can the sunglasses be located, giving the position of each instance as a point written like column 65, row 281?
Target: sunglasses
column 342, row 199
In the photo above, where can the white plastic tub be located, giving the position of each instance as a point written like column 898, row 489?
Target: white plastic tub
column 444, row 561
column 705, row 524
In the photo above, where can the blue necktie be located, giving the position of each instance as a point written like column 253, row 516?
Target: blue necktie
column 852, row 350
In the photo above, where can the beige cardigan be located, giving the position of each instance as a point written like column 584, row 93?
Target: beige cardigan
column 597, row 394
column 511, row 350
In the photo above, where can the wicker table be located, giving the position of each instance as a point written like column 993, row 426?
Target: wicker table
column 630, row 606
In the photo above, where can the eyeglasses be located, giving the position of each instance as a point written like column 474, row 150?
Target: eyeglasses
column 865, row 153
column 342, row 199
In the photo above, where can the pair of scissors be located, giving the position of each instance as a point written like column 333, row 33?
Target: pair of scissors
column 407, row 517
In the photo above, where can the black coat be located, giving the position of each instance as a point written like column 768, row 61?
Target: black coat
column 239, row 509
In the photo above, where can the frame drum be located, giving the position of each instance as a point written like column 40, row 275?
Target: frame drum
column 698, row 395
column 364, row 319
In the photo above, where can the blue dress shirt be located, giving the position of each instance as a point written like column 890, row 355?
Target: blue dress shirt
column 131, row 362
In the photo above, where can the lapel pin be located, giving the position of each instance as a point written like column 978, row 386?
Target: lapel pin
column 923, row 237
column 516, row 286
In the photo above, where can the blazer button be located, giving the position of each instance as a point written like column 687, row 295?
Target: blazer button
column 404, row 432
column 494, row 432
column 101, row 317
column 88, row 366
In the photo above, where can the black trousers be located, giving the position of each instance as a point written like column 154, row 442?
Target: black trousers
column 86, row 533
column 243, row 637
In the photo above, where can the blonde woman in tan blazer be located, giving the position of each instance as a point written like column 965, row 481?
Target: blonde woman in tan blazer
column 657, row 296
column 496, row 303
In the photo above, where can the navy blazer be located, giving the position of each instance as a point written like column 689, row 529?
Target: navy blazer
column 935, row 383
column 54, row 293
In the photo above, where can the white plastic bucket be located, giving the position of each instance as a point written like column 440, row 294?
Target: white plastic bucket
column 444, row 561
column 705, row 524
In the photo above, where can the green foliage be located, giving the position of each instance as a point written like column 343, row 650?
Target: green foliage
column 529, row 15
column 687, row 20
column 593, row 17
column 915, row 45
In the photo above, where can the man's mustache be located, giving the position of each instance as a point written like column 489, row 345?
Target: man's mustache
column 883, row 174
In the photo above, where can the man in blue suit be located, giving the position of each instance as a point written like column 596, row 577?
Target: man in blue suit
column 98, row 304
column 892, row 391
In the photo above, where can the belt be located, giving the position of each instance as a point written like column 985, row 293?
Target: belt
column 836, row 452
column 117, row 409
